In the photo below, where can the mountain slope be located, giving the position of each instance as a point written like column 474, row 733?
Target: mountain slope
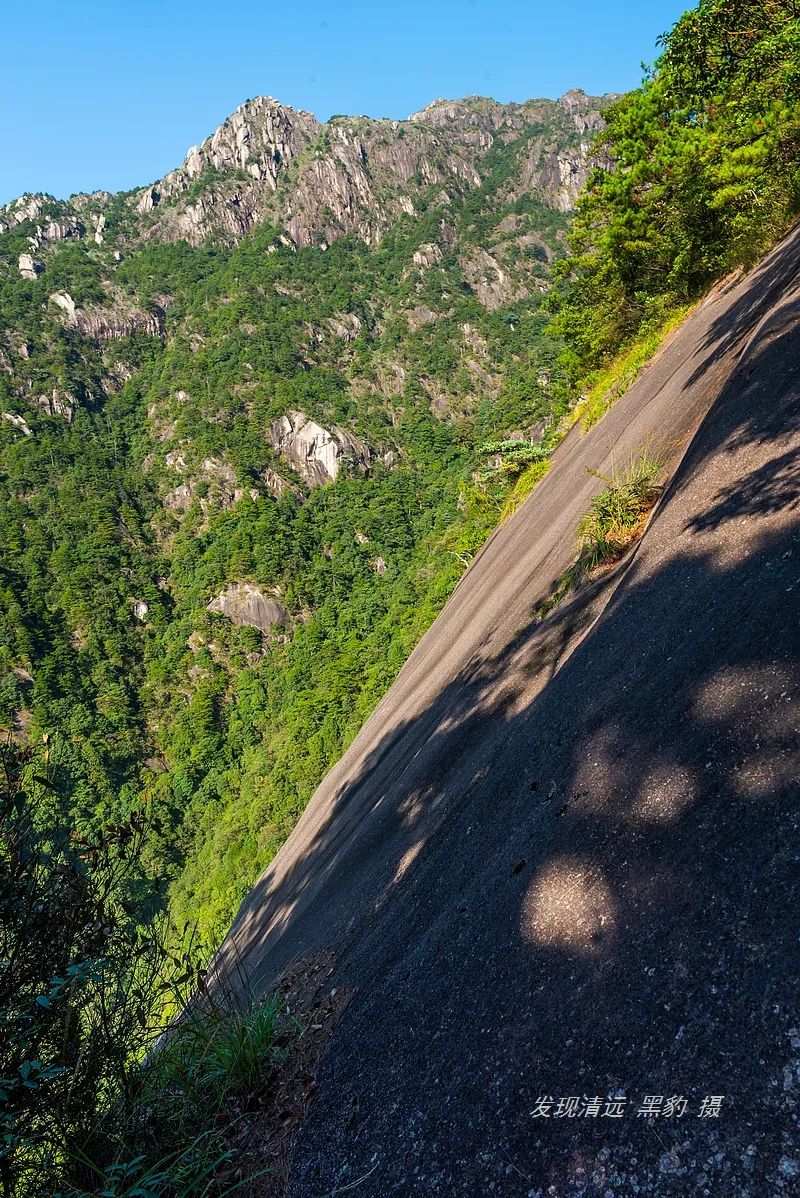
column 556, row 860
column 254, row 421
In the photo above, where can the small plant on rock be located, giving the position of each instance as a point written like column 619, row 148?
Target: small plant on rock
column 618, row 514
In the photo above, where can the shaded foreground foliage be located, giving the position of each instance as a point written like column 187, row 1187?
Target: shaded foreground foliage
column 226, row 733
column 100, row 1094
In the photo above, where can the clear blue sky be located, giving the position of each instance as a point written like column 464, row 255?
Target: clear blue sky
column 111, row 95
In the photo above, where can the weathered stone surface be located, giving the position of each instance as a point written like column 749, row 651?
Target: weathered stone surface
column 315, row 452
column 28, row 267
column 118, row 320
column 64, row 301
column 18, row 421
column 214, row 479
column 491, row 283
column 58, row 403
column 344, row 325
column 27, row 207
column 257, row 141
column 245, row 604
column 179, row 498
column 64, row 229
column 427, row 255
column 419, row 316
column 275, row 482
column 357, row 175
column 353, row 175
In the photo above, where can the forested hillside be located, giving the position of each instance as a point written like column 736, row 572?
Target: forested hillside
column 258, row 416
column 256, row 420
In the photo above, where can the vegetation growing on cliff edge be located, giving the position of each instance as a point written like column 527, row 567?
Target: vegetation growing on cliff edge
column 97, row 1098
column 707, row 174
column 227, row 732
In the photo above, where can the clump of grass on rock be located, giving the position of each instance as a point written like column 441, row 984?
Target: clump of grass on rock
column 617, row 515
column 616, row 518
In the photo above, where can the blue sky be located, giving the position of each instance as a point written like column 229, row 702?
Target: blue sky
column 111, row 95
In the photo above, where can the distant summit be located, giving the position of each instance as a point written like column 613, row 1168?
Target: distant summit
column 353, row 175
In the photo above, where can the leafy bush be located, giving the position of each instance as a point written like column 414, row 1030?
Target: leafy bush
column 523, row 487
column 706, row 174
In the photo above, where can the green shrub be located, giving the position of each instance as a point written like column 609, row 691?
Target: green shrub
column 616, row 516
column 706, row 174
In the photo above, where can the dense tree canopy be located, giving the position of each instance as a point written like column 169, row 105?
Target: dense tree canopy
column 706, row 172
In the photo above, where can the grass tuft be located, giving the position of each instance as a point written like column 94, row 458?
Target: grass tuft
column 523, row 487
column 618, row 514
column 615, row 519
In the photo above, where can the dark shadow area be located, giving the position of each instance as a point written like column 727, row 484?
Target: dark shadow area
column 579, row 882
column 775, row 486
column 774, row 277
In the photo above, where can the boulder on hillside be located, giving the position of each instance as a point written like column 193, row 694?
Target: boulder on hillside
column 246, row 605
column 315, row 452
column 29, row 268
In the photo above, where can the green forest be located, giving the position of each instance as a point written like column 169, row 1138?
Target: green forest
column 137, row 482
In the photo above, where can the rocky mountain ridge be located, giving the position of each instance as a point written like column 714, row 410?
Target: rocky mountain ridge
column 318, row 182
column 487, row 184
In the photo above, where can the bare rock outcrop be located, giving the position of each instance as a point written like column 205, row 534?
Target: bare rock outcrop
column 419, row 316
column 109, row 322
column 356, row 175
column 426, row 255
column 492, row 284
column 29, row 268
column 65, row 228
column 19, row 422
column 245, row 604
column 316, row 453
column 345, row 326
column 241, row 161
column 214, row 481
column 276, row 483
column 64, row 301
column 559, row 174
column 352, row 176
column 27, row 207
column 58, row 403
column 119, row 320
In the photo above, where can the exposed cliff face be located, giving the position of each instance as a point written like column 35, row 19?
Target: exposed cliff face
column 352, row 175
column 247, row 605
column 320, row 182
column 113, row 322
column 316, row 453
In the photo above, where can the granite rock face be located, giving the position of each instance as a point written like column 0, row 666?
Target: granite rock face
column 213, row 480
column 28, row 267
column 316, row 453
column 353, row 175
column 244, row 604
column 120, row 318
column 311, row 184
